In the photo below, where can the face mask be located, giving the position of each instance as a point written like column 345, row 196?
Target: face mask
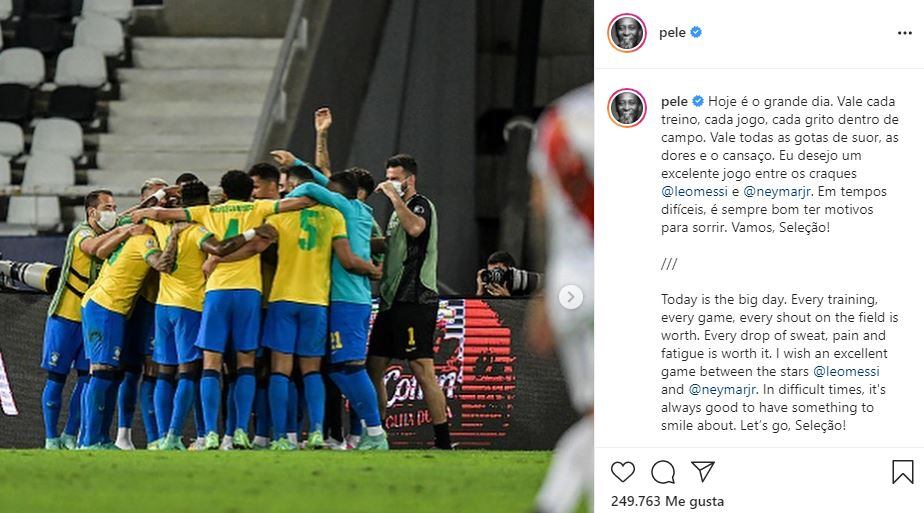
column 107, row 220
column 398, row 185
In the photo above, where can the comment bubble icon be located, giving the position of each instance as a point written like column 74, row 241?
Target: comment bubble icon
column 663, row 472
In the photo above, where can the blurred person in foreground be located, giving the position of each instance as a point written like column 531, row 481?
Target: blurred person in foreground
column 561, row 162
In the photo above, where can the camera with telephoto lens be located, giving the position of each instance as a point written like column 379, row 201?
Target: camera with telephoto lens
column 517, row 281
column 25, row 276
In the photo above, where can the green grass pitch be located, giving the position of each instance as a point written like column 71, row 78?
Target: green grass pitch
column 263, row 481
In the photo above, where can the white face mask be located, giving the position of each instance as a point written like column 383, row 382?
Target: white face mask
column 107, row 220
column 399, row 187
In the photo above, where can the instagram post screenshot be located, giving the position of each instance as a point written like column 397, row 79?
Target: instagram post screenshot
column 758, row 253
column 303, row 255
column 342, row 256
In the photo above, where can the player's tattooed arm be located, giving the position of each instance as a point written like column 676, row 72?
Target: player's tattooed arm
column 322, row 122
column 159, row 214
column 164, row 262
column 353, row 263
column 261, row 238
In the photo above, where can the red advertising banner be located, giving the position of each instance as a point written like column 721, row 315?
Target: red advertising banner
column 477, row 371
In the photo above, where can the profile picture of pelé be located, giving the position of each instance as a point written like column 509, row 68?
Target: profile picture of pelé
column 627, row 107
column 627, row 32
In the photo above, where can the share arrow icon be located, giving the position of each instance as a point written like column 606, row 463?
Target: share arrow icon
column 704, row 468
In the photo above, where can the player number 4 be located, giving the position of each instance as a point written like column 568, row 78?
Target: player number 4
column 234, row 228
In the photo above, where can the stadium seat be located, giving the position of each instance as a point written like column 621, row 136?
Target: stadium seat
column 60, row 136
column 44, row 34
column 116, row 9
column 48, row 169
column 11, row 140
column 73, row 102
column 81, row 66
column 104, row 34
column 40, row 211
column 6, row 9
column 5, row 177
column 15, row 103
column 24, row 66
column 58, row 9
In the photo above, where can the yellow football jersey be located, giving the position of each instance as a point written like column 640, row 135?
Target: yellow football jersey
column 185, row 286
column 227, row 220
column 305, row 244
column 77, row 279
column 122, row 274
column 151, row 286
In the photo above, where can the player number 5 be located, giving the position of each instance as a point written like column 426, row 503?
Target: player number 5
column 307, row 223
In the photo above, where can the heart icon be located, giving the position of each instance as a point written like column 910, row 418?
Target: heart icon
column 622, row 471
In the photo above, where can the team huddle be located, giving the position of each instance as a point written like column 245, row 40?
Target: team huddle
column 250, row 303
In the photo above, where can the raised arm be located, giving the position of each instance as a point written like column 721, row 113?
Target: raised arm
column 322, row 122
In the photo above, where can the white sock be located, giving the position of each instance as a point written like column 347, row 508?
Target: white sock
column 227, row 438
column 570, row 476
column 375, row 431
column 200, row 440
column 262, row 441
column 124, row 439
column 293, row 437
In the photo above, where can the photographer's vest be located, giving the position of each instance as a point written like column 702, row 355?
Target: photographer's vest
column 76, row 277
column 396, row 262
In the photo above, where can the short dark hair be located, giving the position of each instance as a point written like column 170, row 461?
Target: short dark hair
column 186, row 178
column 404, row 160
column 364, row 179
column 347, row 181
column 194, row 193
column 301, row 174
column 265, row 171
column 92, row 199
column 502, row 257
column 237, row 185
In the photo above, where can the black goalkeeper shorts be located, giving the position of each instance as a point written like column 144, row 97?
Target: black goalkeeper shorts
column 405, row 331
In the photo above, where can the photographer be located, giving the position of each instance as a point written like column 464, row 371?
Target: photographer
column 503, row 279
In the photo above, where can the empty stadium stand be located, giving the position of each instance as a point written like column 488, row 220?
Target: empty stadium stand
column 84, row 105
